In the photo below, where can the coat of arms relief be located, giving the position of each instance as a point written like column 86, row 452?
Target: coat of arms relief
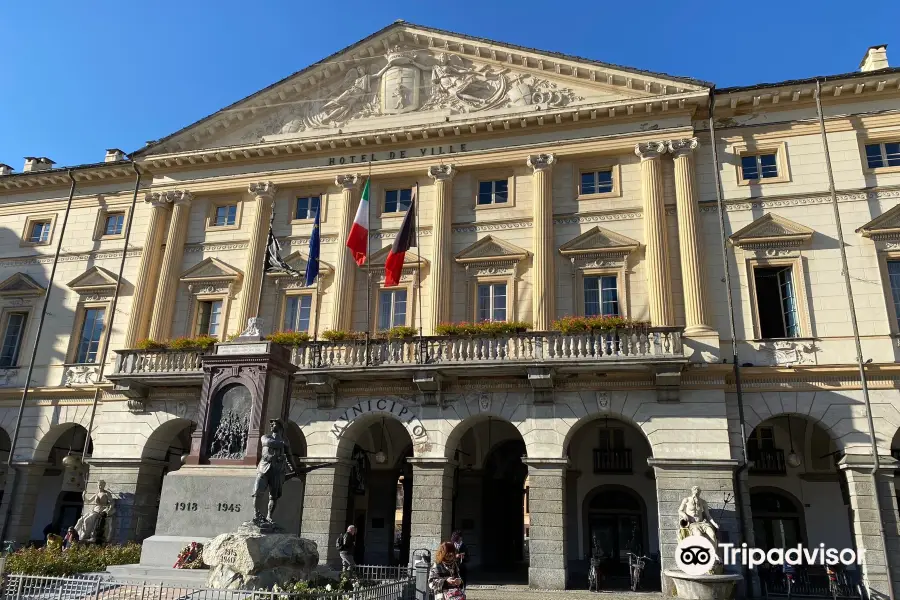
column 411, row 80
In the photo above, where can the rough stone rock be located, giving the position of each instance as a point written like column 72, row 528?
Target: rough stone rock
column 255, row 559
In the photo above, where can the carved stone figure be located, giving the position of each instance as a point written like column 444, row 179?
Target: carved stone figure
column 694, row 518
column 96, row 525
column 272, row 470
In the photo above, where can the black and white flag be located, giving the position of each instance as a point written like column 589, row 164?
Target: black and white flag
column 274, row 261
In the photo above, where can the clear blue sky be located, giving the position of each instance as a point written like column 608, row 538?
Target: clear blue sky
column 82, row 76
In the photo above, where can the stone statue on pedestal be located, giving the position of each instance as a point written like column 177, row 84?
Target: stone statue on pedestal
column 272, row 470
column 694, row 518
column 95, row 525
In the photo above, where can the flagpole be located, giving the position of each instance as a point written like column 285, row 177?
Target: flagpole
column 265, row 266
column 419, row 277
column 368, row 263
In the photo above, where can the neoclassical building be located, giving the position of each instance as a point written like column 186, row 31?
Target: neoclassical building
column 549, row 186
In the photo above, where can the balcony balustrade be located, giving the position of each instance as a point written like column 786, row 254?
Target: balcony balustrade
column 768, row 462
column 612, row 461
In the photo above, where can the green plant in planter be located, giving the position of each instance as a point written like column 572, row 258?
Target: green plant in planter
column 288, row 337
column 200, row 342
column 149, row 344
column 483, row 328
column 80, row 558
column 399, row 332
column 597, row 323
column 335, row 335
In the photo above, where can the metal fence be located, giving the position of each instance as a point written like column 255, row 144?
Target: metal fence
column 31, row 587
column 381, row 573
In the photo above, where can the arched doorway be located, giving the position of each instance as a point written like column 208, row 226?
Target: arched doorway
column 777, row 519
column 163, row 453
column 59, row 502
column 504, row 507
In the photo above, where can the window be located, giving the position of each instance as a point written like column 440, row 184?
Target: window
column 114, row 224
column 307, row 207
column 491, row 302
column 597, row 182
column 493, row 192
column 776, row 302
column 225, row 215
column 40, row 232
column 297, row 311
column 601, row 296
column 91, row 332
column 885, row 154
column 612, row 438
column 397, row 200
column 391, row 309
column 209, row 319
column 13, row 334
column 762, row 438
column 759, row 166
column 893, row 267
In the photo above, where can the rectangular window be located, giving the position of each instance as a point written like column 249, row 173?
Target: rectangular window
column 776, row 302
column 91, row 332
column 763, row 438
column 391, row 309
column 209, row 318
column 13, row 334
column 759, row 166
column 493, row 192
column 597, row 182
column 893, row 267
column 225, row 215
column 40, row 232
column 601, row 296
column 886, row 154
column 114, row 224
column 296, row 312
column 397, row 200
column 307, row 207
column 612, row 438
column 491, row 302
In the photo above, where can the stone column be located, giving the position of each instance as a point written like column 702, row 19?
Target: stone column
column 148, row 270
column 325, row 509
column 674, row 479
column 866, row 527
column 24, row 501
column 432, row 503
column 441, row 259
column 345, row 267
column 659, row 289
column 161, row 321
column 136, row 484
column 543, row 246
column 696, row 315
column 263, row 199
column 547, row 536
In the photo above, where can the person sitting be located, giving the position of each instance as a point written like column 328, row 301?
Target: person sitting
column 71, row 538
column 443, row 578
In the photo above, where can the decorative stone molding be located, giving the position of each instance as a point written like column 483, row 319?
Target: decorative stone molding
column 790, row 353
column 298, row 261
column 78, row 375
column 347, row 182
column 650, row 150
column 599, row 244
column 157, row 199
column 20, row 290
column 442, row 172
column 8, row 377
column 262, row 189
column 492, row 259
column 771, row 231
column 212, row 276
column 500, row 226
column 682, row 146
column 883, row 228
column 541, row 162
column 94, row 284
column 216, row 247
column 179, row 196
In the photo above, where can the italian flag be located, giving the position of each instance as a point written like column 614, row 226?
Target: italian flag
column 358, row 240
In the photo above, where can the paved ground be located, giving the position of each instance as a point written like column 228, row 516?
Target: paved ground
column 513, row 592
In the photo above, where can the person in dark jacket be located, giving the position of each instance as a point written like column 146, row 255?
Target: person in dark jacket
column 462, row 556
column 346, row 547
column 443, row 578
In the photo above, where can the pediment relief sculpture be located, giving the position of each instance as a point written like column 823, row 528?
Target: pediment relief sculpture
column 771, row 231
column 212, row 276
column 96, row 282
column 20, row 285
column 598, row 240
column 298, row 261
column 489, row 249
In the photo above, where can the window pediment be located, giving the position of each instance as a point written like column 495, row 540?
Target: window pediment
column 885, row 227
column 95, row 281
column 771, row 231
column 298, row 261
column 212, row 276
column 490, row 249
column 411, row 262
column 20, row 285
column 598, row 246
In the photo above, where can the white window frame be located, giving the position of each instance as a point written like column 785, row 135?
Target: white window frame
column 494, row 175
column 600, row 275
column 102, row 216
column 197, row 301
column 884, row 257
column 779, row 149
column 219, row 324
column 30, row 222
column 308, row 193
column 798, row 273
column 393, row 290
column 80, row 316
column 215, row 205
column 23, row 333
column 312, row 295
column 493, row 183
column 881, row 140
column 490, row 285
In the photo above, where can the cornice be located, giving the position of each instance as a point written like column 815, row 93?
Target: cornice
column 43, row 259
column 743, row 204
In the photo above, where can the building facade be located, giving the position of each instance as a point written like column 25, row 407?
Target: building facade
column 548, row 187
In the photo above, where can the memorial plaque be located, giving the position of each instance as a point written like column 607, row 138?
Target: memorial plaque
column 253, row 348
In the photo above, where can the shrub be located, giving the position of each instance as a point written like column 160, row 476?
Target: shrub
column 399, row 332
column 335, row 335
column 200, row 342
column 483, row 328
column 598, row 323
column 77, row 559
column 288, row 338
column 149, row 344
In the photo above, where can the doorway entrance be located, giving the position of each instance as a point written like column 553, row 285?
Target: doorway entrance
column 616, row 526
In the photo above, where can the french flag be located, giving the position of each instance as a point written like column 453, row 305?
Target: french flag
column 405, row 240
column 358, row 238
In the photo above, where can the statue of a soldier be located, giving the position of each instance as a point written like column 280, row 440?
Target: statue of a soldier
column 272, row 470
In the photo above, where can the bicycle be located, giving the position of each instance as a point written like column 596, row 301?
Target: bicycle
column 833, row 586
column 635, row 568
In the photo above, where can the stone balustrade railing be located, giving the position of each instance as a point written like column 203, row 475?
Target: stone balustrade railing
column 638, row 344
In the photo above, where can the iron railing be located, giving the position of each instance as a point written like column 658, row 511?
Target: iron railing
column 33, row 587
column 768, row 462
column 612, row 461
column 810, row 582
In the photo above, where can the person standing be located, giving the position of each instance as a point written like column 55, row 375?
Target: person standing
column 71, row 538
column 462, row 556
column 346, row 545
column 443, row 578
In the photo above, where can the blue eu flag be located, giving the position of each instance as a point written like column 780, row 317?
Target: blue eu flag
column 312, row 265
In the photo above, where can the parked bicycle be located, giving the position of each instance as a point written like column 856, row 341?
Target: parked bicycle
column 635, row 568
column 788, row 571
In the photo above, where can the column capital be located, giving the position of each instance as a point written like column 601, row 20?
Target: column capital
column 442, row 172
column 179, row 196
column 650, row 150
column 541, row 162
column 349, row 181
column 262, row 189
column 157, row 199
column 682, row 147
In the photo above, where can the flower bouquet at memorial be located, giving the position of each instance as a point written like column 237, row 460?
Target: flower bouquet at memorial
column 190, row 557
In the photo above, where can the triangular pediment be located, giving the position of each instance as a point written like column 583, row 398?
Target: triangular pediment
column 409, row 75
column 599, row 241
column 489, row 249
column 20, row 285
column 771, row 230
column 410, row 259
column 883, row 227
column 297, row 261
column 94, row 279
column 211, row 269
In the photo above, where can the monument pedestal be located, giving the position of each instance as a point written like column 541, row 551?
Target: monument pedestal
column 199, row 503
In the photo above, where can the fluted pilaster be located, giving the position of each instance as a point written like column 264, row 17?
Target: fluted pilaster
column 543, row 245
column 345, row 269
column 147, row 275
column 263, row 199
column 696, row 316
column 161, row 321
column 441, row 261
column 659, row 288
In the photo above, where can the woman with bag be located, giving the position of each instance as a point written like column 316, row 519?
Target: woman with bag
column 444, row 579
